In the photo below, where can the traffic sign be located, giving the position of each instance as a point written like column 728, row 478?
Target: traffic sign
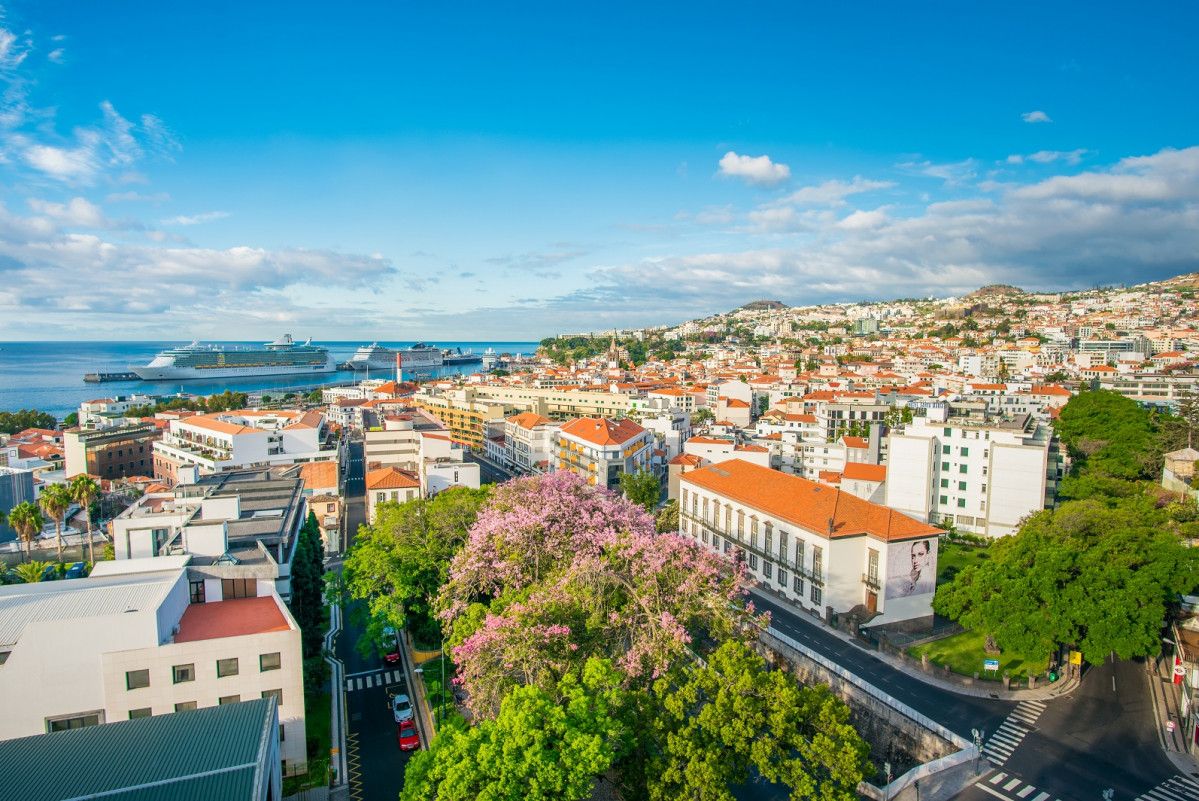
column 991, row 664
column 1180, row 670
column 1076, row 657
column 1170, row 726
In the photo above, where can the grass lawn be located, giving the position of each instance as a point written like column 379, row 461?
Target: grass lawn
column 964, row 654
column 953, row 558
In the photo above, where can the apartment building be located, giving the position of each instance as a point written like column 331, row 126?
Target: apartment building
column 246, row 438
column 982, row 476
column 390, row 484
column 529, row 442
column 396, row 444
column 115, row 452
column 601, row 450
column 465, row 412
column 238, row 528
column 819, row 549
column 134, row 641
column 442, row 464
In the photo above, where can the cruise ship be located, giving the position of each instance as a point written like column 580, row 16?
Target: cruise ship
column 376, row 357
column 281, row 357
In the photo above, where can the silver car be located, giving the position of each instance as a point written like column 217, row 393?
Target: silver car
column 402, row 707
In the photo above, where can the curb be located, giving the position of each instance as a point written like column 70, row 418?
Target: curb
column 338, row 697
column 423, row 713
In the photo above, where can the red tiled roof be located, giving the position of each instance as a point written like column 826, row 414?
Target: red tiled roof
column 233, row 618
column 865, row 472
column 391, row 478
column 602, row 431
column 806, row 503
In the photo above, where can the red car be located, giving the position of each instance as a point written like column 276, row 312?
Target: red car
column 409, row 739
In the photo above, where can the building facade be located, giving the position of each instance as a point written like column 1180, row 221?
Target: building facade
column 600, row 450
column 115, row 452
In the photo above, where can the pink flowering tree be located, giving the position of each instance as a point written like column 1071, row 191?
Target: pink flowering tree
column 555, row 571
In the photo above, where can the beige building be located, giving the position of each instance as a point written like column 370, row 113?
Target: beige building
column 529, row 442
column 130, row 641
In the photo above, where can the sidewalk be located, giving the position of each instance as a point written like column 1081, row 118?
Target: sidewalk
column 983, row 689
column 1166, row 699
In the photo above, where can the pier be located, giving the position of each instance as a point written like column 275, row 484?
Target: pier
column 104, row 378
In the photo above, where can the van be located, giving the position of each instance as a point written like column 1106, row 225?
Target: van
column 77, row 570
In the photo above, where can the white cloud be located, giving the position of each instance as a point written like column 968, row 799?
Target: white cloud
column 861, row 220
column 1050, row 156
column 12, row 50
column 196, row 219
column 756, row 170
column 78, row 212
column 1035, row 116
column 157, row 197
column 834, row 192
column 57, row 56
column 953, row 173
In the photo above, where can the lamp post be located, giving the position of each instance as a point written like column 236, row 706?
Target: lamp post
column 978, row 741
column 887, row 786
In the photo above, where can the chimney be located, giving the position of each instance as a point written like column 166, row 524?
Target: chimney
column 830, row 527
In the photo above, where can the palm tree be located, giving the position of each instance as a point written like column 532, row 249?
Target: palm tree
column 54, row 501
column 26, row 519
column 83, row 491
column 30, row 572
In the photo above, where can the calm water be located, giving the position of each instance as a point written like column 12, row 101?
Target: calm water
column 49, row 375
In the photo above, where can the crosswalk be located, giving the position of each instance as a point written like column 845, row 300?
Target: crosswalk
column 381, row 679
column 1012, row 732
column 1011, row 788
column 1179, row 788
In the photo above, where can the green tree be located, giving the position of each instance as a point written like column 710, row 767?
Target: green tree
column 398, row 564
column 71, row 420
column 642, row 488
column 701, row 416
column 84, row 490
column 30, row 572
column 26, row 519
column 1096, row 574
column 667, row 518
column 713, row 725
column 12, row 422
column 541, row 746
column 307, row 584
column 54, row 502
column 315, row 396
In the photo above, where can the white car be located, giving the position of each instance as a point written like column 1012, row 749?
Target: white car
column 402, row 707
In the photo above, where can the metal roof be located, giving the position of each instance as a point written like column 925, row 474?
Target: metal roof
column 215, row 752
column 22, row 604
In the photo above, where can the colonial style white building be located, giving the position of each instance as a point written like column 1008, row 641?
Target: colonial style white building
column 815, row 546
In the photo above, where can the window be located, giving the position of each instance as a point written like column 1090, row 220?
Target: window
column 282, row 733
column 799, row 554
column 73, row 722
column 816, row 594
column 944, row 465
column 226, row 667
column 136, row 679
column 782, row 579
column 184, row 673
column 185, row 706
column 238, row 588
column 817, row 561
column 767, row 569
column 962, row 486
column 797, row 585
column 769, row 544
column 380, row 497
column 965, row 450
column 741, row 526
column 276, row 694
column 704, row 535
column 984, row 487
column 197, row 591
column 872, row 564
column 727, row 545
column 948, row 432
column 228, row 699
column 145, row 712
column 961, row 503
column 944, row 483
column 944, row 499
column 783, row 546
column 753, row 561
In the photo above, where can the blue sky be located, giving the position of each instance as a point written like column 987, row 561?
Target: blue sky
column 496, row 171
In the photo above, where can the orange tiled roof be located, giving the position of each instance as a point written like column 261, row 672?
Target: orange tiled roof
column 855, row 442
column 318, row 475
column 391, row 478
column 232, row 618
column 602, row 431
column 529, row 420
column 687, row 459
column 806, row 503
column 865, row 472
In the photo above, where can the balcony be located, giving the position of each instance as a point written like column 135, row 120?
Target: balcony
column 871, row 581
column 816, row 577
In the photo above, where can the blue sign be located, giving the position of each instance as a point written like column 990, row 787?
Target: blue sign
column 991, row 664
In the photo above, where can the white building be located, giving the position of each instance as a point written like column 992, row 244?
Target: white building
column 529, row 442
column 396, row 444
column 982, row 477
column 132, row 641
column 818, row 548
column 600, row 450
column 442, row 464
column 390, row 484
column 245, row 438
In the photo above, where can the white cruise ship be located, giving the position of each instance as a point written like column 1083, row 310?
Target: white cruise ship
column 376, row 357
column 281, row 357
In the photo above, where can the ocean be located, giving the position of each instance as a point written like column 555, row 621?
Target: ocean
column 48, row 376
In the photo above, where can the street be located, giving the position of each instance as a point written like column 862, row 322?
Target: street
column 375, row 763
column 489, row 472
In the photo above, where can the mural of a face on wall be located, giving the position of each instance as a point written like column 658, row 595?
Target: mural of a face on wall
column 911, row 569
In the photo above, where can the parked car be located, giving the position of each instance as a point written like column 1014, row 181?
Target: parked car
column 402, row 707
column 391, row 646
column 409, row 739
column 77, row 570
column 50, row 573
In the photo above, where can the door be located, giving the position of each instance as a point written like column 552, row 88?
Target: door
column 872, row 601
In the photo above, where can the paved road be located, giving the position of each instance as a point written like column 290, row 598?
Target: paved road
column 375, row 763
column 1099, row 737
column 958, row 713
column 489, row 472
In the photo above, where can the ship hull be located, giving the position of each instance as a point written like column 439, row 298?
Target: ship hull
column 149, row 373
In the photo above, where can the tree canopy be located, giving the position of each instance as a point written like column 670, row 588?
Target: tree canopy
column 642, row 488
column 13, row 422
column 399, row 563
column 555, row 571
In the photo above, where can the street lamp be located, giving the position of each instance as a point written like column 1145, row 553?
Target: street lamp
column 978, row 741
